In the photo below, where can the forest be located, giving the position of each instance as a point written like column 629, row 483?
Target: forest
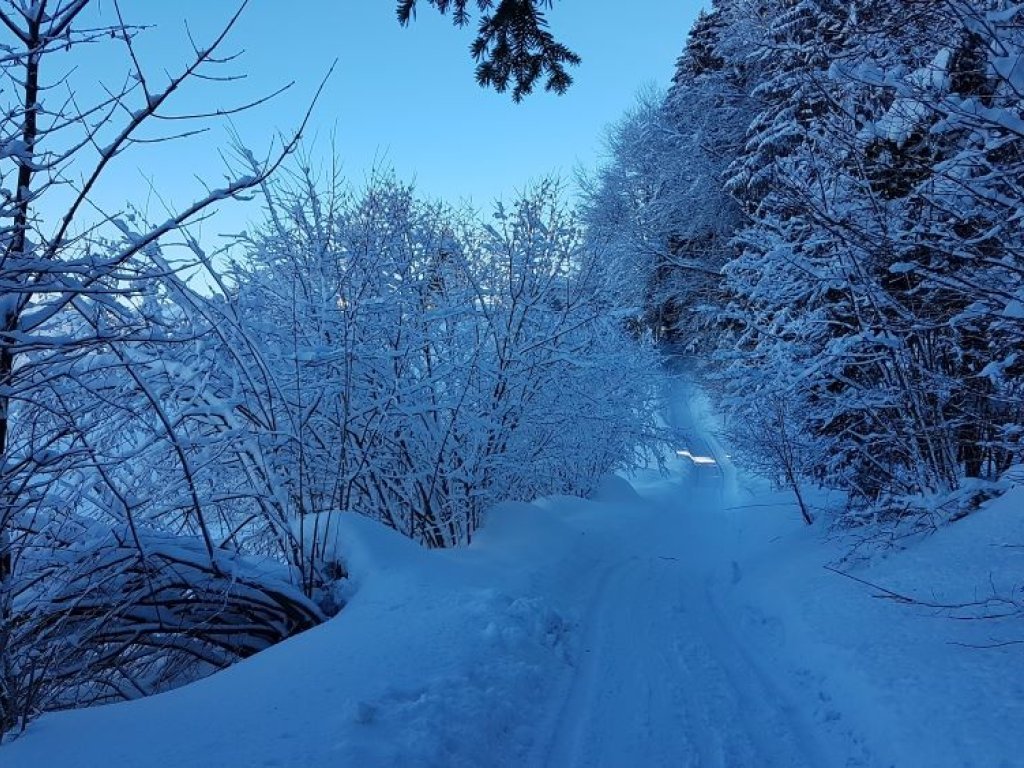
column 823, row 214
column 825, row 209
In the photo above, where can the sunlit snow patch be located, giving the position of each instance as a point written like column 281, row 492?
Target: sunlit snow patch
column 699, row 460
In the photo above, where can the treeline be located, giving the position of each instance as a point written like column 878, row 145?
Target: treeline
column 827, row 206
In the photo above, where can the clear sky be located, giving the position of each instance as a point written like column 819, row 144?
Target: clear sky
column 403, row 97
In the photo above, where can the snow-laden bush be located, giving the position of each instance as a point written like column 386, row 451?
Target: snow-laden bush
column 417, row 365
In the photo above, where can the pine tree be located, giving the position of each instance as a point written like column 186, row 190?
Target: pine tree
column 862, row 194
column 513, row 45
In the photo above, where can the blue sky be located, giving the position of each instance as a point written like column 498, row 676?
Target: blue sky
column 401, row 97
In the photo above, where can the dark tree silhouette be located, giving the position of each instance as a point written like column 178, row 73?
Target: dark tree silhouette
column 513, row 45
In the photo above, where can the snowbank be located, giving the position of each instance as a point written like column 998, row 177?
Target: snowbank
column 883, row 680
column 441, row 658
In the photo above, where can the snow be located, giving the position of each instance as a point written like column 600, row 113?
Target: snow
column 679, row 620
column 699, row 460
column 889, row 683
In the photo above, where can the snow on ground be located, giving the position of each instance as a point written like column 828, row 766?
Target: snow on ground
column 684, row 620
column 889, row 682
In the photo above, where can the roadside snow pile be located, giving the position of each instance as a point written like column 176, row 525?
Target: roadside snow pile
column 440, row 659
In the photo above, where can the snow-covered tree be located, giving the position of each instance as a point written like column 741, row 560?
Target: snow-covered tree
column 827, row 202
column 864, row 191
column 81, row 590
column 658, row 205
column 420, row 366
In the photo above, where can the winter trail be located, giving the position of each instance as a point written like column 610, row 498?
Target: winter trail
column 662, row 680
column 573, row 634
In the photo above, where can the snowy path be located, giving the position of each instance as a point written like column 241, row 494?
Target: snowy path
column 662, row 685
column 662, row 681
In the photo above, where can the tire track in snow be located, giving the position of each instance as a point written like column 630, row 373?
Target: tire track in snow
column 659, row 685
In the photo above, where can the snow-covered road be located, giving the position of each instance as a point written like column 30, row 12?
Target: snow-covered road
column 663, row 680
column 662, row 683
